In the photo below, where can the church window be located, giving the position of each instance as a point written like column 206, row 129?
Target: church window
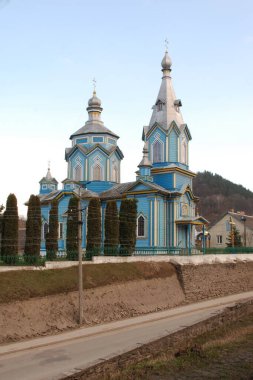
column 184, row 152
column 81, row 141
column 44, row 186
column 157, row 151
column 77, row 173
column 97, row 173
column 98, row 139
column 115, row 174
column 60, row 231
column 219, row 239
column 112, row 141
column 45, row 230
column 185, row 210
column 140, row 226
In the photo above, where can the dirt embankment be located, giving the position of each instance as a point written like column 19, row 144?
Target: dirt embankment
column 52, row 314
column 183, row 284
column 200, row 282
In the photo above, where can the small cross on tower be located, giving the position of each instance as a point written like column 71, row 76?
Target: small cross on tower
column 166, row 44
column 94, row 84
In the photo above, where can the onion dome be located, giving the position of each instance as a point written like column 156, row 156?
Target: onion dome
column 94, row 101
column 166, row 62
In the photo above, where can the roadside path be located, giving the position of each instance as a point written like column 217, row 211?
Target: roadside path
column 54, row 357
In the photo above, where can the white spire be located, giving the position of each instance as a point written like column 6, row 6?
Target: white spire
column 49, row 176
column 145, row 160
column 167, row 106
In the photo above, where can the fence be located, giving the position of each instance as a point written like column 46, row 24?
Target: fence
column 140, row 251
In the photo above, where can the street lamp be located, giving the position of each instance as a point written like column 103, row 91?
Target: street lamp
column 243, row 219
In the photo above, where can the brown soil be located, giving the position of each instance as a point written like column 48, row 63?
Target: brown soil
column 133, row 290
column 52, row 314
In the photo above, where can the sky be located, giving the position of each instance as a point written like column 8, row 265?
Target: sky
column 50, row 51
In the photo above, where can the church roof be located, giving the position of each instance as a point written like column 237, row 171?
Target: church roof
column 94, row 125
column 86, row 151
column 48, row 178
column 116, row 191
column 95, row 128
column 167, row 106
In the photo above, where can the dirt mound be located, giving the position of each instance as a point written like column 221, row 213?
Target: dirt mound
column 52, row 314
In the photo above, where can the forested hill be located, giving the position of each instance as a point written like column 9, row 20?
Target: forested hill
column 218, row 195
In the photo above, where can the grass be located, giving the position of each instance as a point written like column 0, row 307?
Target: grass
column 224, row 353
column 21, row 285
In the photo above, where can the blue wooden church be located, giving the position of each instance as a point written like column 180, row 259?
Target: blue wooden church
column 163, row 186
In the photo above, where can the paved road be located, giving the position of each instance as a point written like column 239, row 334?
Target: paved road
column 51, row 358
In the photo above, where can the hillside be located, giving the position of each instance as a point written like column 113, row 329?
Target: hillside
column 218, row 195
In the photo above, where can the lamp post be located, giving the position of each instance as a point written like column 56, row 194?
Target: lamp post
column 80, row 264
column 243, row 219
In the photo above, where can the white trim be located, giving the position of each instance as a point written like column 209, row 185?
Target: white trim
column 145, row 227
column 157, row 140
column 151, row 222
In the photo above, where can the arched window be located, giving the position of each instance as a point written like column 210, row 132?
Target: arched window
column 140, row 226
column 184, row 153
column 97, row 173
column 157, row 151
column 115, row 174
column 45, row 230
column 77, row 173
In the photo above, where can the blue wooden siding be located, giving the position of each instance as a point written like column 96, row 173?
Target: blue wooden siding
column 99, row 186
column 162, row 138
column 161, row 215
column 173, row 146
column 182, row 180
column 143, row 208
column 165, row 180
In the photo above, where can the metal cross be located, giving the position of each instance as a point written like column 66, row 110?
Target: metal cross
column 94, row 84
column 49, row 164
column 166, row 44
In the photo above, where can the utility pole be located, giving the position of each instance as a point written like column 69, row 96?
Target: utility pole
column 243, row 219
column 80, row 266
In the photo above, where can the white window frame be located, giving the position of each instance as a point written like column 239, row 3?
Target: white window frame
column 219, row 239
column 144, row 236
column 157, row 140
column 60, row 230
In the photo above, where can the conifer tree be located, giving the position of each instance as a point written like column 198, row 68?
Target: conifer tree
column 127, row 226
column 234, row 238
column 33, row 230
column 111, row 242
column 9, row 248
column 52, row 235
column 72, row 229
column 93, row 244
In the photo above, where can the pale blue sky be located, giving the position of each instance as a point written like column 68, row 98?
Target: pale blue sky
column 50, row 50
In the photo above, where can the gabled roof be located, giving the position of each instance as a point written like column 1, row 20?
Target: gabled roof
column 237, row 216
column 187, row 189
column 86, row 151
column 184, row 128
column 173, row 125
column 151, row 186
column 155, row 126
column 116, row 191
